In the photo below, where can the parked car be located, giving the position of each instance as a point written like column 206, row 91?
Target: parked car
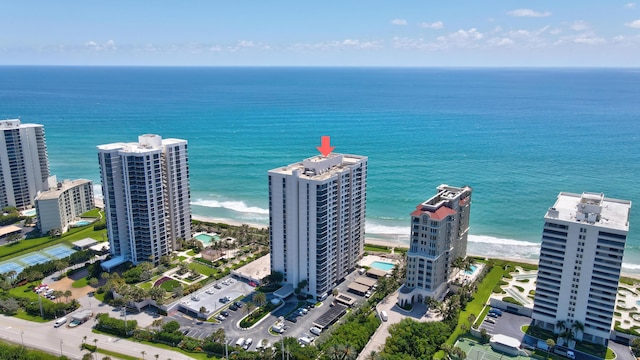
column 247, row 344
column 224, row 313
column 220, row 317
column 495, row 311
column 315, row 331
column 493, row 315
column 233, row 307
column 292, row 319
column 238, row 304
column 217, row 286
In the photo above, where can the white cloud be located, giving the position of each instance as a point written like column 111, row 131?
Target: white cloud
column 435, row 25
column 401, row 22
column 555, row 31
column 580, row 25
column 634, row 24
column 109, row 45
column 500, row 41
column 630, row 5
column 528, row 13
column 340, row 44
column 589, row 39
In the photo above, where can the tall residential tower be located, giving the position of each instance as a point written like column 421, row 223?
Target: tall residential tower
column 316, row 218
column 580, row 259
column 439, row 229
column 146, row 197
column 24, row 165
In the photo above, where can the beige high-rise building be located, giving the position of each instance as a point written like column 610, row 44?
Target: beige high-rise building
column 316, row 217
column 24, row 165
column 583, row 241
column 439, row 230
column 146, row 197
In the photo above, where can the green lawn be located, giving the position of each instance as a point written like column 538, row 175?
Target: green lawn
column 26, row 291
column 376, row 248
column 182, row 258
column 29, row 245
column 479, row 299
column 116, row 354
column 95, row 213
column 80, row 283
column 169, row 285
column 191, row 253
column 146, row 285
column 24, row 316
column 203, row 269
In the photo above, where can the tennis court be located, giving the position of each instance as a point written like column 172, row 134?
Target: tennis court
column 5, row 267
column 477, row 351
column 33, row 259
column 59, row 251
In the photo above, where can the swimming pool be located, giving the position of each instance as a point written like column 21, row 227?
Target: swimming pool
column 30, row 212
column 473, row 269
column 381, row 265
column 206, row 239
column 82, row 223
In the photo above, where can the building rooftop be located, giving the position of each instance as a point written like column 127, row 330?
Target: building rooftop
column 442, row 204
column 146, row 143
column 591, row 208
column 320, row 167
column 62, row 187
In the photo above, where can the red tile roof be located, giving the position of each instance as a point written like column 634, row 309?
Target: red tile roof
column 437, row 215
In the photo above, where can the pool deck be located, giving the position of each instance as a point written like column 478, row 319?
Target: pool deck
column 370, row 259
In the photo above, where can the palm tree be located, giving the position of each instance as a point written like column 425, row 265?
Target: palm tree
column 67, row 294
column 447, row 349
column 249, row 308
column 561, row 325
column 550, row 344
column 578, row 327
column 260, row 298
column 84, row 339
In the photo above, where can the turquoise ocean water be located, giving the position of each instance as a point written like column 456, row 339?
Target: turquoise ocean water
column 517, row 136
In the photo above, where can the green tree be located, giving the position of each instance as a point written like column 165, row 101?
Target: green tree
column 259, row 298
column 550, row 345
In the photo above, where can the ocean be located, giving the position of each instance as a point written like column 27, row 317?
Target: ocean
column 518, row 137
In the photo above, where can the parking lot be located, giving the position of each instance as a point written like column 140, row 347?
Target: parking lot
column 297, row 326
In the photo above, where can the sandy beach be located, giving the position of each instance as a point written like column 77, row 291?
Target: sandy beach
column 99, row 203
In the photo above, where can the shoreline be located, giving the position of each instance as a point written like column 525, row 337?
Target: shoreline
column 367, row 240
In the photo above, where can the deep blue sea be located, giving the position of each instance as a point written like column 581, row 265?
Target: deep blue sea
column 517, row 136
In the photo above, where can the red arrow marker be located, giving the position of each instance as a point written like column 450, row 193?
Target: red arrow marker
column 325, row 148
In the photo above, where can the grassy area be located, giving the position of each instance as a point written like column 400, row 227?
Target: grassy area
column 80, row 283
column 24, row 316
column 29, row 245
column 146, row 285
column 182, row 258
column 25, row 291
column 479, row 299
column 203, row 269
column 169, row 285
column 376, row 248
column 191, row 253
column 95, row 213
column 99, row 297
column 116, row 355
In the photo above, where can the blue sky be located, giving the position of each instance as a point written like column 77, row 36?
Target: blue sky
column 329, row 33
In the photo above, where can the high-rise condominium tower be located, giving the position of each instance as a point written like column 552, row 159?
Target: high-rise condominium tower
column 24, row 165
column 439, row 229
column 146, row 197
column 580, row 259
column 316, row 218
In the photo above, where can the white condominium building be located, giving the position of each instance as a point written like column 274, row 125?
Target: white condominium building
column 316, row 218
column 146, row 197
column 580, row 259
column 24, row 166
column 57, row 208
column 439, row 229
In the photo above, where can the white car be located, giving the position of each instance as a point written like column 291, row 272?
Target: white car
column 247, row 343
column 315, row 331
